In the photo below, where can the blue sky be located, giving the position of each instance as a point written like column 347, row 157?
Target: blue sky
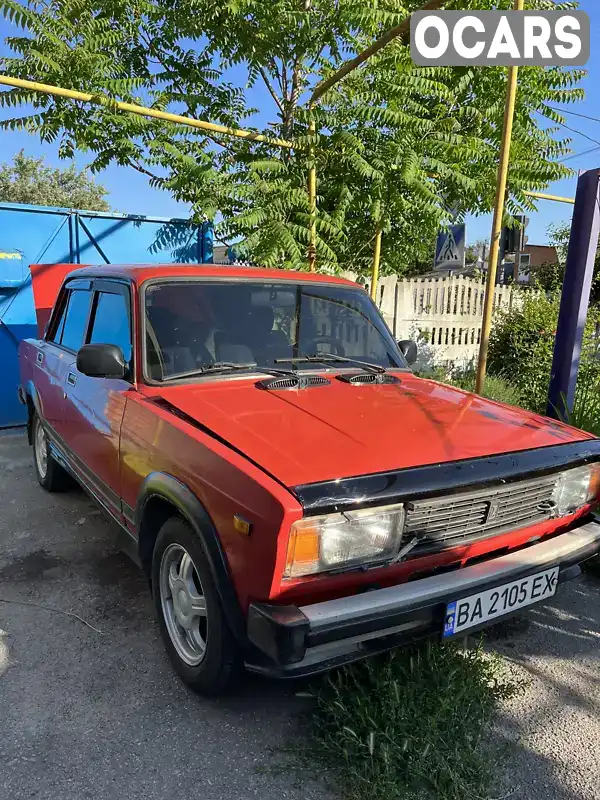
column 130, row 192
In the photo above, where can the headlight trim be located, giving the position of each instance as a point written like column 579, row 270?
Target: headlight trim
column 317, row 544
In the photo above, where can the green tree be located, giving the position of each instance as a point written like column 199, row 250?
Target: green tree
column 551, row 275
column 402, row 149
column 29, row 180
column 474, row 251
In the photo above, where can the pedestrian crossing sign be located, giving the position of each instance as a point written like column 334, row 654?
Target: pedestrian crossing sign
column 450, row 248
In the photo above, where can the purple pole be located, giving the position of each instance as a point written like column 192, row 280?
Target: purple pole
column 575, row 297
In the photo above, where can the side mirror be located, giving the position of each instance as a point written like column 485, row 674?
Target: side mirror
column 408, row 348
column 101, row 361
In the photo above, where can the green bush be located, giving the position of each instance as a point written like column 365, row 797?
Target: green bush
column 522, row 345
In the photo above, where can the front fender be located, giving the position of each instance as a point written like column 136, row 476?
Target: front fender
column 160, row 484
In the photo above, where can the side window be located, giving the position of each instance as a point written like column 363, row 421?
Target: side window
column 60, row 322
column 111, row 322
column 71, row 328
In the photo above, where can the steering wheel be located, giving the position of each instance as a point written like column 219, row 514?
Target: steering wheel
column 335, row 344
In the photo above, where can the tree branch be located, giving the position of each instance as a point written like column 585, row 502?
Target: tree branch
column 137, row 166
column 316, row 58
column 292, row 100
column 225, row 146
column 269, row 86
column 275, row 71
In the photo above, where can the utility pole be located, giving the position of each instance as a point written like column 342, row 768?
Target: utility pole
column 509, row 113
column 579, row 270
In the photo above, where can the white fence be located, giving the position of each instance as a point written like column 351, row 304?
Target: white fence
column 447, row 312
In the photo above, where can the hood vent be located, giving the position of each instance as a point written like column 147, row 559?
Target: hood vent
column 369, row 377
column 293, row 382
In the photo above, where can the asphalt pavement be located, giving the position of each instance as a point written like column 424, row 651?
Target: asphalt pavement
column 552, row 729
column 96, row 712
column 99, row 713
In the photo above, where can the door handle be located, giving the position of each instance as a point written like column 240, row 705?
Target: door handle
column 39, row 358
column 71, row 378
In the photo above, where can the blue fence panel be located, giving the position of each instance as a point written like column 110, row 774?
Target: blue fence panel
column 37, row 234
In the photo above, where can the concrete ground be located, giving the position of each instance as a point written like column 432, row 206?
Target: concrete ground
column 99, row 713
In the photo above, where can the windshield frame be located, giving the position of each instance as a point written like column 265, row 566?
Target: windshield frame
column 310, row 369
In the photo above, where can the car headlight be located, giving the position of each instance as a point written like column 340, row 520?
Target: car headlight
column 339, row 541
column 575, row 488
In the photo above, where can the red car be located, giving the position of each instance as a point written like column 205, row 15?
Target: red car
column 296, row 495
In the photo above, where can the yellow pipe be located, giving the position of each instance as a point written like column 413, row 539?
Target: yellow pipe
column 312, row 198
column 556, row 198
column 376, row 260
column 142, row 111
column 509, row 113
column 400, row 30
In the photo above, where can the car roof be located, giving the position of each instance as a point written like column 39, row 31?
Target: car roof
column 140, row 273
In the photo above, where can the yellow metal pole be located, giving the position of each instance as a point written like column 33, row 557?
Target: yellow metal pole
column 376, row 260
column 509, row 113
column 142, row 111
column 312, row 197
column 349, row 66
column 556, row 198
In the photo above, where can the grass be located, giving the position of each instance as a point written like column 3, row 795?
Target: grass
column 495, row 387
column 586, row 408
column 411, row 725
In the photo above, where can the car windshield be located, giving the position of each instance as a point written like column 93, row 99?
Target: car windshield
column 191, row 324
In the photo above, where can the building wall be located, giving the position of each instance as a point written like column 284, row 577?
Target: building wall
column 541, row 254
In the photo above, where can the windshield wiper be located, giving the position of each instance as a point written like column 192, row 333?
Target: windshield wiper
column 324, row 358
column 227, row 366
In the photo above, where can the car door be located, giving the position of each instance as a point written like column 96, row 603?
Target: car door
column 63, row 337
column 95, row 406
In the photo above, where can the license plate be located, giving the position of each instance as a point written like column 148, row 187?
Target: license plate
column 479, row 608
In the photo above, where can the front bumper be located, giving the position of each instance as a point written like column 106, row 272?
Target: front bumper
column 292, row 641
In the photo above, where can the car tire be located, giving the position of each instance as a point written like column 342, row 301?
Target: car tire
column 200, row 646
column 51, row 476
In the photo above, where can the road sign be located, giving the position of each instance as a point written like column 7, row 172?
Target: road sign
column 450, row 248
column 513, row 240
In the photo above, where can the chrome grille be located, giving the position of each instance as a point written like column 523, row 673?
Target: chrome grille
column 449, row 521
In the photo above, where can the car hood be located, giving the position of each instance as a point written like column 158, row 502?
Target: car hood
column 341, row 430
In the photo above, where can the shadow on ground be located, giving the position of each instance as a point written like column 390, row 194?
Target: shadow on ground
column 551, row 730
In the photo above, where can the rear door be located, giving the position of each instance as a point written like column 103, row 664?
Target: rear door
column 62, row 340
column 94, row 406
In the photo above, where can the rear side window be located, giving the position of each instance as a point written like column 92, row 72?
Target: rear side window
column 111, row 322
column 72, row 324
column 60, row 325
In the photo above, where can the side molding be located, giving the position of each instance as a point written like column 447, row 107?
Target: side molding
column 159, row 484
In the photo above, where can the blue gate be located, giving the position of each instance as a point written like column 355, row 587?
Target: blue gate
column 38, row 234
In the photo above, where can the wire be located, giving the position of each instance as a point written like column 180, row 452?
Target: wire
column 577, row 155
column 580, row 133
column 574, row 113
